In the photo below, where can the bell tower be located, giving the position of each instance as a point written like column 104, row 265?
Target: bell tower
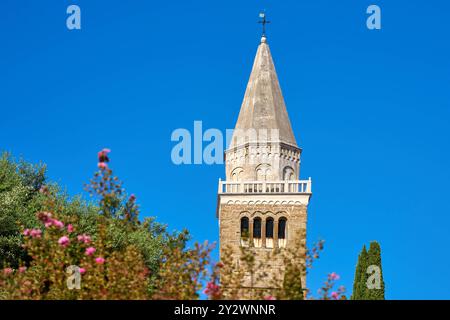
column 262, row 203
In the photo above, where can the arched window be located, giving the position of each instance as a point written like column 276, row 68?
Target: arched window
column 244, row 231
column 236, row 174
column 244, row 227
column 263, row 172
column 288, row 174
column 269, row 233
column 257, row 228
column 257, row 232
column 282, row 224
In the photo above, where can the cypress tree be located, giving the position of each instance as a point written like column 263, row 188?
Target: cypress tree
column 374, row 259
column 362, row 286
column 359, row 288
column 355, row 293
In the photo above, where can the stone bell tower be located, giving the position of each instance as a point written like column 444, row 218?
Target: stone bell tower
column 262, row 204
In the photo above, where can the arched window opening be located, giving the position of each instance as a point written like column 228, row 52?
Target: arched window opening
column 282, row 224
column 269, row 233
column 244, row 227
column 289, row 175
column 244, row 231
column 263, row 172
column 236, row 175
column 257, row 241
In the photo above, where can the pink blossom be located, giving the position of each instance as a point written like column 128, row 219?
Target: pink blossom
column 70, row 228
column 84, row 238
column 103, row 155
column 99, row 260
column 36, row 233
column 334, row 276
column 22, row 269
column 7, row 271
column 53, row 222
column 82, row 270
column 269, row 298
column 102, row 165
column 44, row 216
column 26, row 232
column 335, row 295
column 64, row 241
column 90, row 251
column 212, row 290
column 132, row 198
column 58, row 224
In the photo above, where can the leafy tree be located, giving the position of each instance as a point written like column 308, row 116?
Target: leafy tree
column 21, row 199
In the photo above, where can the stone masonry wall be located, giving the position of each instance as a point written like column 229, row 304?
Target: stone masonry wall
column 270, row 264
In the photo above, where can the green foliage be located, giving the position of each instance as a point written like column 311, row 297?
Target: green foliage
column 366, row 259
column 43, row 232
column 374, row 258
column 19, row 198
column 356, row 291
column 57, row 247
column 292, row 282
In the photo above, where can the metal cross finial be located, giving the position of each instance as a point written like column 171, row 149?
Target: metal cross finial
column 262, row 15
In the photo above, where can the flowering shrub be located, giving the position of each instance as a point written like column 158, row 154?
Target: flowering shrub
column 105, row 273
column 113, row 255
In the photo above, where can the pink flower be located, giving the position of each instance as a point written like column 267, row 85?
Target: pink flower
column 335, row 295
column 84, row 238
column 36, row 233
column 22, row 269
column 7, row 271
column 103, row 155
column 90, row 251
column 82, row 270
column 44, row 216
column 64, row 241
column 99, row 260
column 102, row 165
column 212, row 290
column 132, row 198
column 26, row 232
column 70, row 228
column 48, row 222
column 269, row 298
column 334, row 276
column 58, row 224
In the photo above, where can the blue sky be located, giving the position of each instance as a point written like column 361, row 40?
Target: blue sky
column 369, row 108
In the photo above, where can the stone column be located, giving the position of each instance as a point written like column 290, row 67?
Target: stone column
column 250, row 231
column 275, row 233
column 263, row 233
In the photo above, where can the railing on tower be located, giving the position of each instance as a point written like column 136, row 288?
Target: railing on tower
column 255, row 187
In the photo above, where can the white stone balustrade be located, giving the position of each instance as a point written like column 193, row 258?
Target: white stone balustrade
column 265, row 187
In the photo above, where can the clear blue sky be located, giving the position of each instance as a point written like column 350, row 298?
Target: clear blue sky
column 370, row 109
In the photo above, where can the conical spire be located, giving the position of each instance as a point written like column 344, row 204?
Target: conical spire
column 263, row 106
